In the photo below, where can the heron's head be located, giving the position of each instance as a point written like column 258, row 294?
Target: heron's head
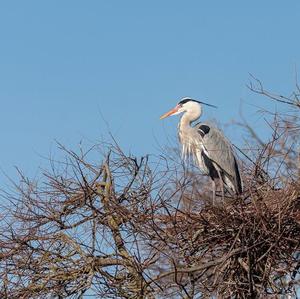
column 192, row 107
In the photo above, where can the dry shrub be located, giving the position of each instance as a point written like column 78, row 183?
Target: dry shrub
column 146, row 228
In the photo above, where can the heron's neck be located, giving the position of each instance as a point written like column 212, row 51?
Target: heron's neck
column 187, row 118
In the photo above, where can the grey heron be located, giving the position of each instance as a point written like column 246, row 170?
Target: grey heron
column 211, row 150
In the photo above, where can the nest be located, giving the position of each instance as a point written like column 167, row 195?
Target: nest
column 239, row 248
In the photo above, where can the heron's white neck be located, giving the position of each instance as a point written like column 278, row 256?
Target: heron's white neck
column 186, row 131
column 188, row 117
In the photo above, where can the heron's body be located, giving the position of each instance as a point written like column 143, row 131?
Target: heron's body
column 212, row 153
column 210, row 149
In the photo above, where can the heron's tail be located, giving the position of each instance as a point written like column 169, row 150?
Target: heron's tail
column 238, row 181
column 234, row 183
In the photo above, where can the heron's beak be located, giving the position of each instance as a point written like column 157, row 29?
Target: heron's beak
column 172, row 111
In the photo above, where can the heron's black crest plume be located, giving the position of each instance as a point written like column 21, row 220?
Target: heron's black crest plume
column 185, row 100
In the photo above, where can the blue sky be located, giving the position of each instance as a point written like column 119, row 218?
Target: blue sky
column 75, row 70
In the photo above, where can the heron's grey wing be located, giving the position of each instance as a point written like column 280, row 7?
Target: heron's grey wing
column 220, row 151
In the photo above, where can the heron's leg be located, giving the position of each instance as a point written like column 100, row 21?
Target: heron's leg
column 221, row 183
column 214, row 191
column 222, row 189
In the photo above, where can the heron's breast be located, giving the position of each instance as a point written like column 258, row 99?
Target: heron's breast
column 192, row 146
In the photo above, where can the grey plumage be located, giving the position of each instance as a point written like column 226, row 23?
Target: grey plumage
column 221, row 155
